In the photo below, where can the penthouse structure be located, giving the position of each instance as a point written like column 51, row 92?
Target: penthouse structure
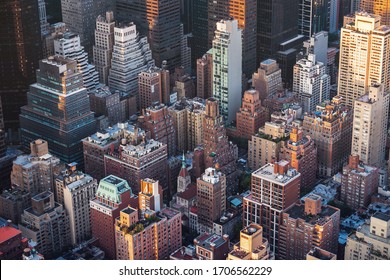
column 211, row 198
column 153, row 238
column 47, row 224
column 159, row 123
column 131, row 55
column 371, row 241
column 265, row 146
column 252, row 245
column 330, row 126
column 112, row 196
column 251, row 116
column 268, row 78
column 74, row 190
column 147, row 159
column 301, row 152
column 151, row 196
column 274, row 188
column 370, row 125
column 35, row 173
column 308, row 225
column 187, row 115
column 358, row 183
column 104, row 142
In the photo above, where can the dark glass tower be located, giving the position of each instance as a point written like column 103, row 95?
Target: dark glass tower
column 20, row 51
column 58, row 110
column 276, row 23
column 313, row 17
column 2, row 133
column 199, row 30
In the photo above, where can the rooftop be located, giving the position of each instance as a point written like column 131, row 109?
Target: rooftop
column 267, row 172
column 298, row 212
column 206, row 240
column 167, row 212
column 7, row 232
column 189, row 193
column 382, row 216
column 111, row 188
column 142, row 149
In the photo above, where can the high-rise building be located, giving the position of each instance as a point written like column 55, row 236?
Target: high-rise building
column 370, row 241
column 301, row 152
column 68, row 45
column 377, row 7
column 150, row 88
column 264, row 147
column 20, row 52
column 12, row 243
column 252, row 245
column 314, row 16
column 330, row 126
column 276, row 23
column 146, row 15
column 58, row 110
column 3, row 147
column 56, row 29
column 80, row 17
column 244, row 12
column 364, row 51
column 112, row 196
column 274, row 188
column 150, row 196
column 134, row 162
column 211, row 198
column 45, row 26
column 317, row 44
column 47, row 224
column 131, row 55
column 35, row 173
column 218, row 151
column 74, row 190
column 13, row 203
column 187, row 118
column 334, row 16
column 251, row 116
column 227, row 70
column 370, row 126
column 159, row 123
column 307, row 225
column 104, row 43
column 153, row 238
column 204, row 75
column 200, row 41
column 105, row 142
column 358, row 183
column 268, row 79
column 311, row 83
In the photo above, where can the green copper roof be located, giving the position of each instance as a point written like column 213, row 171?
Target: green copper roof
column 111, row 187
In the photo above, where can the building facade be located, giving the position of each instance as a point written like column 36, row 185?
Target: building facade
column 268, row 78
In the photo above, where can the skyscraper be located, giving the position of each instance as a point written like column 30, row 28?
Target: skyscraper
column 268, row 79
column 150, row 87
column 370, row 126
column 20, row 52
column 104, row 42
column 211, row 188
column 227, row 70
column 204, row 76
column 68, row 45
column 276, row 23
column 274, row 188
column 2, row 132
column 314, row 16
column 58, row 110
column 155, row 19
column 311, row 83
column 244, row 11
column 80, row 16
column 377, row 7
column 131, row 55
column 364, row 56
column 200, row 44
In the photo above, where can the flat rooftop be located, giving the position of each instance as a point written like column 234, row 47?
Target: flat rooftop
column 267, row 172
column 206, row 240
column 382, row 216
column 298, row 212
